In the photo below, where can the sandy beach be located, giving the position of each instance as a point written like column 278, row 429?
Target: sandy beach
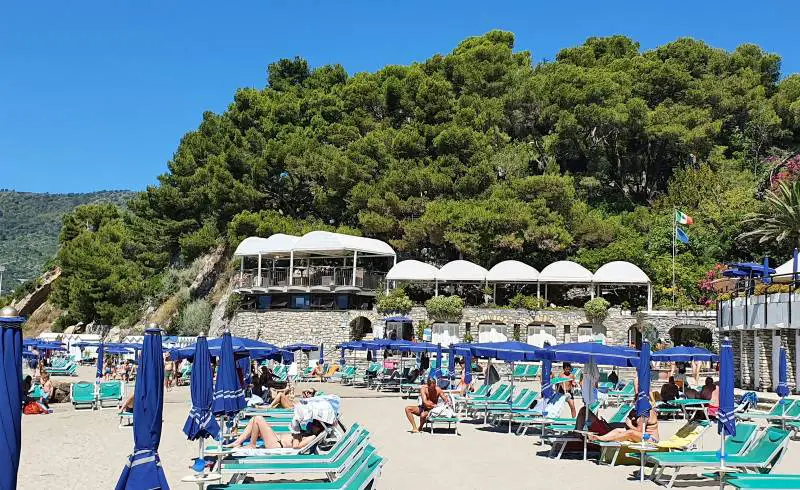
column 82, row 449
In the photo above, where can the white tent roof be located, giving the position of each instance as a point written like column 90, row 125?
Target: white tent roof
column 275, row 244
column 412, row 270
column 620, row 272
column 512, row 271
column 565, row 272
column 462, row 270
column 785, row 268
column 322, row 242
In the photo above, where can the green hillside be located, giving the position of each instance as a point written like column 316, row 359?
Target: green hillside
column 29, row 227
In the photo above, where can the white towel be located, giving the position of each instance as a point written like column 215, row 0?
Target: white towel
column 591, row 374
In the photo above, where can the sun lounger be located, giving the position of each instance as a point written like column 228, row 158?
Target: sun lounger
column 565, row 428
column 359, row 476
column 685, row 439
column 777, row 410
column 770, row 481
column 761, row 454
column 355, row 436
column 82, row 395
column 625, row 394
column 70, row 369
column 109, row 392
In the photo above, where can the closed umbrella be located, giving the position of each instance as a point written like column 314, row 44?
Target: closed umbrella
column 100, row 355
column 468, row 367
column 144, row 470
column 547, row 388
column 783, row 386
column 341, row 357
column 10, row 396
column 322, row 353
column 228, row 395
column 725, row 416
column 643, row 395
column 451, row 361
column 201, row 423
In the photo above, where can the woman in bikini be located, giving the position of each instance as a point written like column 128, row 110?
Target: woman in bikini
column 259, row 428
column 633, row 430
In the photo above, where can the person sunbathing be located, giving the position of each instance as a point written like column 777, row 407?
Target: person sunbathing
column 318, row 371
column 47, row 390
column 127, row 405
column 258, row 428
column 285, row 401
column 632, row 431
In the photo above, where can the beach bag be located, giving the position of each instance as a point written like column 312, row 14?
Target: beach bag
column 33, row 408
column 600, row 427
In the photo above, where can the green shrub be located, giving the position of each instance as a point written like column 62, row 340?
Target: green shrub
column 526, row 302
column 194, row 318
column 444, row 307
column 596, row 310
column 394, row 301
column 233, row 305
column 778, row 288
column 421, row 326
column 516, row 332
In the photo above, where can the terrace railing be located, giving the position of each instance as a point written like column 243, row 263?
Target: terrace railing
column 310, row 276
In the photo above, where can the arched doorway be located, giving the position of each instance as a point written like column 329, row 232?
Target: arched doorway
column 492, row 331
column 541, row 334
column 692, row 335
column 634, row 337
column 360, row 327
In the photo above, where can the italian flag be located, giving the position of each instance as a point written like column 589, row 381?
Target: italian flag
column 682, row 218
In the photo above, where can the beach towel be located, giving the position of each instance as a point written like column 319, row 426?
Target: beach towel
column 254, row 400
column 442, row 410
column 324, row 408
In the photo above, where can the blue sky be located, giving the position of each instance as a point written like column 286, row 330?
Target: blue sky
column 96, row 95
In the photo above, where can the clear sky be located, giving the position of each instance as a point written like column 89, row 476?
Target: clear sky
column 96, row 95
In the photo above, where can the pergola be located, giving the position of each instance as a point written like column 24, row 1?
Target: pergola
column 564, row 272
column 621, row 273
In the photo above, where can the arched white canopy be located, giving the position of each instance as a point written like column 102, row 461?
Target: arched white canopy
column 565, row 272
column 620, row 272
column 512, row 271
column 461, row 271
column 278, row 243
column 326, row 242
column 412, row 270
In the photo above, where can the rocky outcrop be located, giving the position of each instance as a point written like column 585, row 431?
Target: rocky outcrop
column 30, row 303
column 210, row 266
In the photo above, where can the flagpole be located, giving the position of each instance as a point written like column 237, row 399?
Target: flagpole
column 674, row 233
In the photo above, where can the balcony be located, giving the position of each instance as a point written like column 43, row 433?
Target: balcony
column 772, row 311
column 309, row 278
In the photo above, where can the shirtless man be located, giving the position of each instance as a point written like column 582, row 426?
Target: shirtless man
column 429, row 396
column 169, row 368
column 567, row 386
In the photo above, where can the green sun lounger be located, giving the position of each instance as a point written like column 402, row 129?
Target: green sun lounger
column 761, row 454
column 359, row 476
column 780, row 408
column 354, row 435
column 770, row 481
column 109, row 392
column 82, row 395
column 71, row 369
column 625, row 393
column 499, row 394
column 308, row 463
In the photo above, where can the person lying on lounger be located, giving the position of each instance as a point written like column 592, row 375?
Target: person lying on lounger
column 258, row 428
column 632, row 432
column 285, row 401
column 429, row 396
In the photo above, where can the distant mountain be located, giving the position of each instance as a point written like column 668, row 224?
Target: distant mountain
column 29, row 227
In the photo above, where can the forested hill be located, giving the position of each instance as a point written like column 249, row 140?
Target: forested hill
column 29, row 227
column 480, row 154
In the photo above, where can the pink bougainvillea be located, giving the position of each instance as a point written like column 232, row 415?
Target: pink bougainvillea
column 789, row 173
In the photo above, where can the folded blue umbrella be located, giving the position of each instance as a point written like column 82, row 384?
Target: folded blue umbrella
column 228, row 394
column 100, row 355
column 201, row 423
column 547, row 388
column 301, row 347
column 322, row 353
column 643, row 371
column 468, row 366
column 725, row 415
column 783, row 384
column 451, row 360
column 144, row 470
column 10, row 397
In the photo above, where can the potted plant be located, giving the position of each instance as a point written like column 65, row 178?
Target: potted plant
column 444, row 308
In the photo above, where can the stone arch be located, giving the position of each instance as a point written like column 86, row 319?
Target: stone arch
column 694, row 334
column 360, row 326
column 634, row 337
column 493, row 331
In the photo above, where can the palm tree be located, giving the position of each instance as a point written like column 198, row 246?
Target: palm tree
column 779, row 218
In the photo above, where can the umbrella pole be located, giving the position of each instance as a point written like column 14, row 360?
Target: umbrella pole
column 722, row 460
column 511, row 399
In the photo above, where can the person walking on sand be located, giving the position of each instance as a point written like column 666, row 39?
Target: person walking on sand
column 169, row 368
column 429, row 396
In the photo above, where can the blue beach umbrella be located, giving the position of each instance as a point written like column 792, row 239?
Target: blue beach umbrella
column 437, row 371
column 547, row 388
column 144, row 470
column 643, row 395
column 341, row 357
column 243, row 364
column 684, row 354
column 201, row 423
column 451, row 360
column 10, row 396
column 100, row 355
column 228, row 395
column 725, row 416
column 301, row 347
column 322, row 353
column 783, row 387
